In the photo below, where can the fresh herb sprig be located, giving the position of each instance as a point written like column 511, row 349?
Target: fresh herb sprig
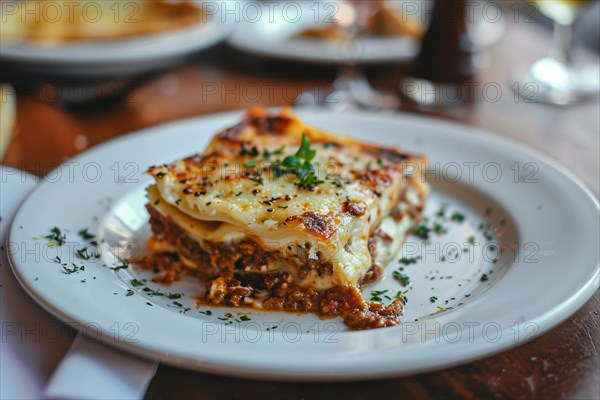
column 299, row 164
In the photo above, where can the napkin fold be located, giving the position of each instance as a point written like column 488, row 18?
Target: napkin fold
column 91, row 370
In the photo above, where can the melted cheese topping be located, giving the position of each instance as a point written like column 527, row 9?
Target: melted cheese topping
column 231, row 191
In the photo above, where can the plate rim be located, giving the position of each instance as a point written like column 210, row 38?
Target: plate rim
column 62, row 54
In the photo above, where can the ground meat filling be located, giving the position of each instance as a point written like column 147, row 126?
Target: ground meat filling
column 373, row 275
column 236, row 275
column 375, row 315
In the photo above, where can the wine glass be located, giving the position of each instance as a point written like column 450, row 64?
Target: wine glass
column 351, row 88
column 558, row 78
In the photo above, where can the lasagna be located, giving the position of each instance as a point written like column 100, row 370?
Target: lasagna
column 279, row 215
column 64, row 21
column 383, row 21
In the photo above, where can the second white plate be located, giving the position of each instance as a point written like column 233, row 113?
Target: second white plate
column 97, row 59
column 270, row 30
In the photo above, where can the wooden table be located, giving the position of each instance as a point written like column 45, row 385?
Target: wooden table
column 563, row 363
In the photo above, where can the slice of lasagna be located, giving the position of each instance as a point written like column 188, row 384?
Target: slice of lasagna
column 90, row 20
column 278, row 215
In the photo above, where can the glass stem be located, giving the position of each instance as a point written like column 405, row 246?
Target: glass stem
column 562, row 48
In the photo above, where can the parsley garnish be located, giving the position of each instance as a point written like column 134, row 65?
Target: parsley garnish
column 402, row 297
column 245, row 318
column 75, row 268
column 438, row 229
column 249, row 152
column 257, row 180
column 152, row 292
column 457, row 217
column 56, row 237
column 484, row 278
column 84, row 255
column 442, row 211
column 124, row 265
column 85, row 235
column 130, row 292
column 136, row 283
column 402, row 278
column 298, row 164
column 302, row 162
column 409, row 260
column 67, row 270
column 433, row 299
column 376, row 295
column 422, row 232
column 251, row 163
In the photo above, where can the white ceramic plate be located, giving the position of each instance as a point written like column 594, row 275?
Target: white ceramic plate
column 542, row 217
column 272, row 32
column 118, row 57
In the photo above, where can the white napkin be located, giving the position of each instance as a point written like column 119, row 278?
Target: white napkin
column 91, row 370
column 33, row 342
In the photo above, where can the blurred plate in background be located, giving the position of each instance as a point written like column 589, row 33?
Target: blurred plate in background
column 278, row 31
column 120, row 56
